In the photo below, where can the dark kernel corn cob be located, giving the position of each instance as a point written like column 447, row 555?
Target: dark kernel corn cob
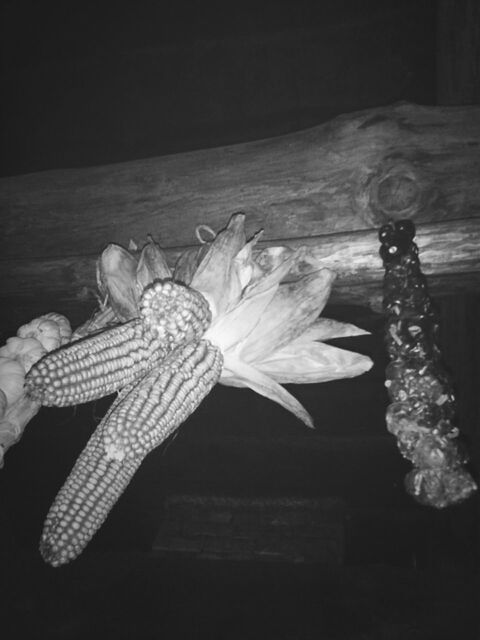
column 96, row 366
column 140, row 419
column 422, row 410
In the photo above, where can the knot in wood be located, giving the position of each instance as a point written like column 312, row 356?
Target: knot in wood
column 394, row 191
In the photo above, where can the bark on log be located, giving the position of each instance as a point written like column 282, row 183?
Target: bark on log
column 329, row 187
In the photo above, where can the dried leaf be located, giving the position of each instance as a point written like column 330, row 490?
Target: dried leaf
column 239, row 374
column 116, row 274
column 303, row 362
column 215, row 278
column 188, row 263
column 295, row 306
column 234, row 326
column 271, row 257
column 326, row 329
column 152, row 265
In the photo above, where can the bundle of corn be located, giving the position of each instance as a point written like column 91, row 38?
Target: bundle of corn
column 225, row 315
column 423, row 404
column 17, row 356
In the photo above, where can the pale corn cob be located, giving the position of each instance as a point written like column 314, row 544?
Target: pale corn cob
column 90, row 491
column 141, row 418
column 94, row 367
column 162, row 401
column 88, row 369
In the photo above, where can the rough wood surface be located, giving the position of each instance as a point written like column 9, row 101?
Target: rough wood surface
column 329, row 187
column 450, row 255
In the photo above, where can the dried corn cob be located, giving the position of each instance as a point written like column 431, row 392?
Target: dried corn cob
column 422, row 410
column 171, row 314
column 141, row 418
column 90, row 491
column 162, row 401
column 94, row 367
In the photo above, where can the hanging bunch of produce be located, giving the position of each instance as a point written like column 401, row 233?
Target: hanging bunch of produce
column 422, row 410
column 162, row 338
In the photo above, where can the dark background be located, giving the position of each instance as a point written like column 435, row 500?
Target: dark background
column 84, row 84
column 91, row 83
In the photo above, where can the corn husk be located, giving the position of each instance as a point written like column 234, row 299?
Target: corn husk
column 117, row 282
column 152, row 265
column 17, row 356
column 266, row 319
column 216, row 278
column 293, row 309
column 101, row 319
column 240, row 374
column 265, row 308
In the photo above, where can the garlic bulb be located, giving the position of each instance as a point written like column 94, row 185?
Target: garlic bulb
column 3, row 403
column 26, row 351
column 12, row 376
column 52, row 330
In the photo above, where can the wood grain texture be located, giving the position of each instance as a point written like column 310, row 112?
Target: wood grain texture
column 449, row 253
column 347, row 175
column 329, row 188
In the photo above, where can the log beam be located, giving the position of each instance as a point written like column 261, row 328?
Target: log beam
column 449, row 251
column 329, row 187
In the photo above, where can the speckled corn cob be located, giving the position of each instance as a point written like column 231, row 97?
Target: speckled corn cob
column 422, row 410
column 88, row 369
column 141, row 418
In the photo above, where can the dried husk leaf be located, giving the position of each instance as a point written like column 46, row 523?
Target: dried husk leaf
column 327, row 329
column 295, row 306
column 101, row 319
column 271, row 257
column 306, row 362
column 240, row 374
column 188, row 263
column 215, row 278
column 246, row 267
column 234, row 326
column 152, row 265
column 116, row 277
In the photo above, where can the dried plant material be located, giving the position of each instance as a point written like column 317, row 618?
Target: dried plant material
column 116, row 278
column 17, row 357
column 423, row 405
column 152, row 265
column 229, row 318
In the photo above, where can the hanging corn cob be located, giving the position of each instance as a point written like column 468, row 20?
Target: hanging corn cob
column 422, row 405
column 141, row 418
column 89, row 369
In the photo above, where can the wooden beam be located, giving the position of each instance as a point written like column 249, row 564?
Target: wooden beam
column 329, row 187
column 449, row 253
